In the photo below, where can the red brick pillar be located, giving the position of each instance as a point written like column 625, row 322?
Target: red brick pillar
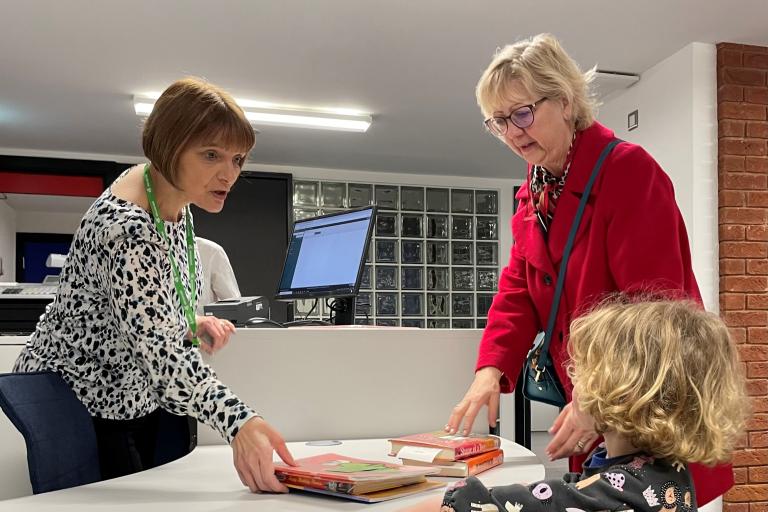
column 742, row 101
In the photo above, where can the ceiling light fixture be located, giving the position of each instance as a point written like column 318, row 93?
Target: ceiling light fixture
column 261, row 113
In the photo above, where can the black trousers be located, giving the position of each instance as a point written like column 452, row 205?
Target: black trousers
column 130, row 446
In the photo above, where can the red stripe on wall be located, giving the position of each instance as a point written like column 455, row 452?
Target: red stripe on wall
column 51, row 184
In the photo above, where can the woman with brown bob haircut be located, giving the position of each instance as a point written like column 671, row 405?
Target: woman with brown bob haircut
column 122, row 331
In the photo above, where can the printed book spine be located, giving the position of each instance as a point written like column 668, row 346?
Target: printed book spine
column 317, row 483
column 476, row 448
column 475, row 468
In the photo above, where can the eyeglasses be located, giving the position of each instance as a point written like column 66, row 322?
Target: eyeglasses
column 521, row 117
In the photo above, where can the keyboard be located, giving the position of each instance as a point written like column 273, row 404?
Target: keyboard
column 29, row 289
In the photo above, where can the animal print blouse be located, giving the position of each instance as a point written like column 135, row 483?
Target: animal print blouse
column 115, row 330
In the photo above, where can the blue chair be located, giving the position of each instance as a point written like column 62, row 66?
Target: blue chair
column 57, row 429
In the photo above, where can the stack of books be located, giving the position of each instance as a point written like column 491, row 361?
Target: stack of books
column 355, row 479
column 451, row 454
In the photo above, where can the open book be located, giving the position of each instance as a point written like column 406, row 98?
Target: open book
column 356, row 479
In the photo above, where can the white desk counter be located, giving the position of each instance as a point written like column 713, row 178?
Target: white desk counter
column 205, row 480
column 352, row 382
column 320, row 383
column 349, row 382
column 10, row 346
column 13, row 340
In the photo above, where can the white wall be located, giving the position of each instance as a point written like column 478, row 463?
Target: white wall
column 7, row 241
column 48, row 222
column 677, row 104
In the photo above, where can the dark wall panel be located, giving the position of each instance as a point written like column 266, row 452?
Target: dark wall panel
column 253, row 229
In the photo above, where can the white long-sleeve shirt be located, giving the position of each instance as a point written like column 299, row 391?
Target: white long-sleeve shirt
column 219, row 280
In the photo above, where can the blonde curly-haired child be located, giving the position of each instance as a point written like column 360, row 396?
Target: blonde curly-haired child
column 660, row 381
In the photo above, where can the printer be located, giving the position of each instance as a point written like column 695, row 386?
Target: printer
column 238, row 310
column 22, row 304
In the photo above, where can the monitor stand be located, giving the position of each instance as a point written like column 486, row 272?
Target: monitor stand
column 344, row 313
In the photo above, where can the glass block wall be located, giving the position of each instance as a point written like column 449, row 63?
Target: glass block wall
column 434, row 255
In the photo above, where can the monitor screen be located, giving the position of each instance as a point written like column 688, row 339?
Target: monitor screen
column 326, row 255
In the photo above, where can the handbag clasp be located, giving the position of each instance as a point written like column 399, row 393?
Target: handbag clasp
column 535, row 365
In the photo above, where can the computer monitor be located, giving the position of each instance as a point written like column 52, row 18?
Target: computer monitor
column 325, row 258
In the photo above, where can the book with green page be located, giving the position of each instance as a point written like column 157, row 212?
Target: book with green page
column 356, row 479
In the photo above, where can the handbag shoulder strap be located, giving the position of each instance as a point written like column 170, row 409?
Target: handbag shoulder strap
column 542, row 359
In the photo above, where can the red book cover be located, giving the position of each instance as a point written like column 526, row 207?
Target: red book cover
column 453, row 446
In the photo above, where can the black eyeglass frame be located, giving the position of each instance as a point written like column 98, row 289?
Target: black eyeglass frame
column 508, row 119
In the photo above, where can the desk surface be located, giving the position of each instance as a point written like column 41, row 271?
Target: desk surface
column 14, row 340
column 205, row 480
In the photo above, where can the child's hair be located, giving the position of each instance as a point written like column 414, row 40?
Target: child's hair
column 663, row 374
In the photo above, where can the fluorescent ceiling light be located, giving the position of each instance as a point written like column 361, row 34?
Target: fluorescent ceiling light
column 262, row 113
column 143, row 107
column 323, row 122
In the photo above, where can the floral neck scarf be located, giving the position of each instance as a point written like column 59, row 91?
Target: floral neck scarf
column 545, row 189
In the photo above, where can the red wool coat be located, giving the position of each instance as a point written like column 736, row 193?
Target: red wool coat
column 631, row 237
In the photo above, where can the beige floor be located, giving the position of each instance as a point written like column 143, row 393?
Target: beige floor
column 553, row 469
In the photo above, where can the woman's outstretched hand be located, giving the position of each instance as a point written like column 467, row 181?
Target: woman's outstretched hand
column 485, row 390
column 573, row 431
column 252, row 451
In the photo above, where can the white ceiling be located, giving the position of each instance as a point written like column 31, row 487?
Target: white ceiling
column 68, row 68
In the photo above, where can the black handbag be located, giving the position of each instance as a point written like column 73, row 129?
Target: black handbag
column 541, row 383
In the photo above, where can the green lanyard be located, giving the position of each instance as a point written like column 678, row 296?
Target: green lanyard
column 186, row 304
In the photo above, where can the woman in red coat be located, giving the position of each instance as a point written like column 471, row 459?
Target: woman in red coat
column 631, row 237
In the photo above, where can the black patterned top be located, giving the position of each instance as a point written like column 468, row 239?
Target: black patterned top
column 638, row 482
column 115, row 330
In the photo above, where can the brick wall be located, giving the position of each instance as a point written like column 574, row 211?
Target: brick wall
column 742, row 97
